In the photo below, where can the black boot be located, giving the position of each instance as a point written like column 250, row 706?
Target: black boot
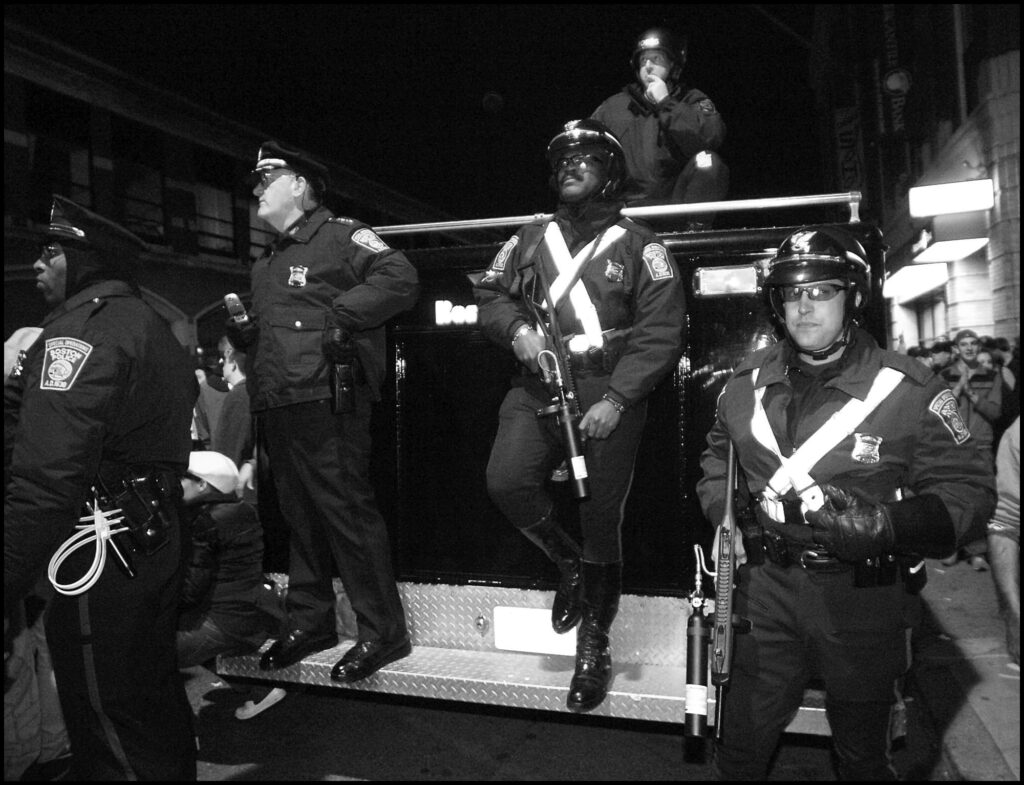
column 602, row 585
column 549, row 537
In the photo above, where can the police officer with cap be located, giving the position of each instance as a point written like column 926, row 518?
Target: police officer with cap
column 102, row 431
column 321, row 294
column 857, row 464
column 670, row 133
column 618, row 316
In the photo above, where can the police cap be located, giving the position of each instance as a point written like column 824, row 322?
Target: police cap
column 72, row 223
column 273, row 155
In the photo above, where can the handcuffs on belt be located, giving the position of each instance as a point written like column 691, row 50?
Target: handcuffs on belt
column 136, row 504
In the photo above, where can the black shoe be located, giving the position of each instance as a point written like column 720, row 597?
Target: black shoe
column 294, row 646
column 368, row 657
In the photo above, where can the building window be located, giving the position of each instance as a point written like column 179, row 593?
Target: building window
column 260, row 233
column 138, row 179
column 215, row 223
column 59, row 154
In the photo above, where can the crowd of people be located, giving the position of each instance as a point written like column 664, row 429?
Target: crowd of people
column 108, row 425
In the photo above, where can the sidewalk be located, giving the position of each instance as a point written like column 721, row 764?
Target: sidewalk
column 965, row 677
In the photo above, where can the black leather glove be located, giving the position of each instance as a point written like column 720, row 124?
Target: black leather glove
column 850, row 527
column 242, row 336
column 338, row 346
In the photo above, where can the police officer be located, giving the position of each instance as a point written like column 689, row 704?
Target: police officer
column 104, row 422
column 670, row 133
column 846, row 506
column 618, row 318
column 321, row 294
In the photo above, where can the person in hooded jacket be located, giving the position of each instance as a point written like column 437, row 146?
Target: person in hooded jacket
column 101, row 435
column 670, row 133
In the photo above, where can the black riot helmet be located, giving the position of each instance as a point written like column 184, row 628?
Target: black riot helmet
column 590, row 137
column 821, row 253
column 664, row 40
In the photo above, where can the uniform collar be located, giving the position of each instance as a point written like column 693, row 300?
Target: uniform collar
column 97, row 291
column 305, row 227
column 858, row 366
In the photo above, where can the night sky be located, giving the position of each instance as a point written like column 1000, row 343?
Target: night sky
column 454, row 104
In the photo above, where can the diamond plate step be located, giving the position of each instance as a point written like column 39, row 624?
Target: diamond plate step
column 455, row 656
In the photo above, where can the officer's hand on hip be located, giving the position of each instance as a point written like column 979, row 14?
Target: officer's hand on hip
column 600, row 420
column 850, row 527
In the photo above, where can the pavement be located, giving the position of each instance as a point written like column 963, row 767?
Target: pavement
column 962, row 697
column 963, row 675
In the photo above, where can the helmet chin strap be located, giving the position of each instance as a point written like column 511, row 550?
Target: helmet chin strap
column 823, row 354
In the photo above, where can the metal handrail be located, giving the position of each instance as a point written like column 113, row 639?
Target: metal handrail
column 851, row 198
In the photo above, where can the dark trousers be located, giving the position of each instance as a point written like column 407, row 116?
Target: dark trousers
column 527, row 447
column 808, row 626
column 320, row 462
column 113, row 652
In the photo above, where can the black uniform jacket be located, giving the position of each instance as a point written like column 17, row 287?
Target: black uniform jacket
column 107, row 385
column 914, row 441
column 634, row 285
column 324, row 271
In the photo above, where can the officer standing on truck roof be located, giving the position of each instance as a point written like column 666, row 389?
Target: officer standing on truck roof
column 844, row 511
column 619, row 311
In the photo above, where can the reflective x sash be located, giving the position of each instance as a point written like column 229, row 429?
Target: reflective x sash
column 569, row 270
column 795, row 470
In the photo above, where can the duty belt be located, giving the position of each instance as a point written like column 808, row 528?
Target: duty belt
column 590, row 361
column 813, row 559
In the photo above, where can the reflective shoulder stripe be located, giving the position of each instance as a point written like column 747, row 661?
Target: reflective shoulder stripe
column 794, row 471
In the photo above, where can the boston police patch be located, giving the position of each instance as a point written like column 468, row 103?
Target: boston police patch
column 369, row 239
column 62, row 362
column 706, row 106
column 502, row 257
column 656, row 259
column 943, row 406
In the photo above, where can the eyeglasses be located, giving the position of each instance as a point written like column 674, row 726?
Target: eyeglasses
column 817, row 292
column 268, row 178
column 581, row 161
column 50, row 251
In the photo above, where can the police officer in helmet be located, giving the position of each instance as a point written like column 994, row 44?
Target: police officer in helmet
column 102, row 431
column 670, row 133
column 617, row 322
column 855, row 464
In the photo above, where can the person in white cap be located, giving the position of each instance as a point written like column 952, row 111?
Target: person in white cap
column 223, row 588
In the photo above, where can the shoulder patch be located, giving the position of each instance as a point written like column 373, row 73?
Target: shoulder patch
column 656, row 259
column 707, row 107
column 943, row 406
column 63, row 360
column 369, row 239
column 498, row 265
